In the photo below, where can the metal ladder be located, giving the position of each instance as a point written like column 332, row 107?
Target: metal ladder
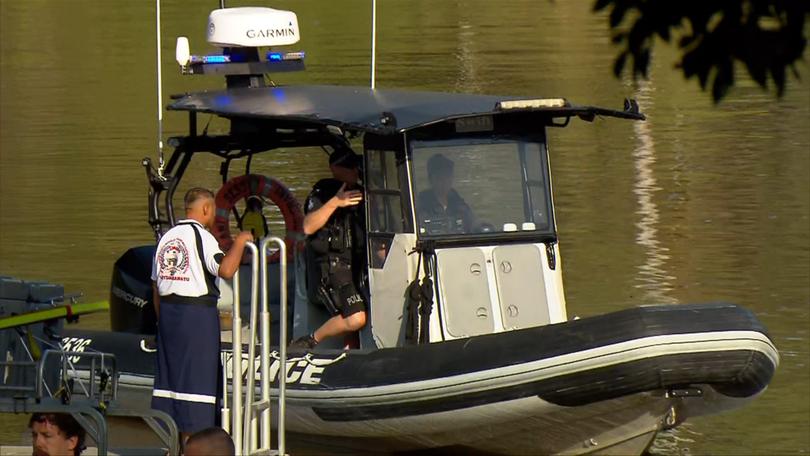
column 248, row 420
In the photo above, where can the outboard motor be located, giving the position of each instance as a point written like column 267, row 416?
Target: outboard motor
column 131, row 307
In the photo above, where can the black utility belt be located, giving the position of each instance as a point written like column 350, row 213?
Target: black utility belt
column 339, row 261
column 204, row 301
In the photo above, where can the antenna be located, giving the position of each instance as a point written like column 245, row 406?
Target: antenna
column 373, row 42
column 159, row 93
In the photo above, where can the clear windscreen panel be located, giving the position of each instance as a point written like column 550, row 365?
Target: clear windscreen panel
column 471, row 186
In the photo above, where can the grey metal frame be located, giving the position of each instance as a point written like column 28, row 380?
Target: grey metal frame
column 90, row 410
column 93, row 357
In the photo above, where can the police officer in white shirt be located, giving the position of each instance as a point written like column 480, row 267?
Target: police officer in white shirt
column 184, row 271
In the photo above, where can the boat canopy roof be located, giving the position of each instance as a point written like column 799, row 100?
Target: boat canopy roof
column 376, row 110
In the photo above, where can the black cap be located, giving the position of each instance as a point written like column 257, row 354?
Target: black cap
column 344, row 157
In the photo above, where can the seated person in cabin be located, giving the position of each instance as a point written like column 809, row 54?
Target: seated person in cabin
column 56, row 434
column 336, row 250
column 253, row 219
column 440, row 209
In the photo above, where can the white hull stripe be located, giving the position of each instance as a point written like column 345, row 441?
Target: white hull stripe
column 188, row 397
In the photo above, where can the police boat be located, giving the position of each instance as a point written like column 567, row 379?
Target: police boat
column 468, row 342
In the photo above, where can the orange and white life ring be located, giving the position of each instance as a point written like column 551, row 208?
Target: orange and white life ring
column 242, row 187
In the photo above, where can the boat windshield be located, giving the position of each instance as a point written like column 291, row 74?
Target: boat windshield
column 473, row 186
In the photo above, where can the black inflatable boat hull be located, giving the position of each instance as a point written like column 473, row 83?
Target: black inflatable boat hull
column 626, row 367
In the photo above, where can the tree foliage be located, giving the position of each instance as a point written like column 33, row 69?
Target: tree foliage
column 766, row 36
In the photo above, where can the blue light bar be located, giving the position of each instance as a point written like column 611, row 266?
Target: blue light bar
column 210, row 59
column 279, row 56
column 216, row 59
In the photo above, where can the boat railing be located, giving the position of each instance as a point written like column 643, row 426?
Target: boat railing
column 56, row 373
column 86, row 387
column 249, row 419
column 102, row 375
column 283, row 318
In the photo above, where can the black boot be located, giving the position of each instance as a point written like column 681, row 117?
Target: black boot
column 307, row 342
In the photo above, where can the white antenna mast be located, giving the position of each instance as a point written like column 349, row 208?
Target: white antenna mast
column 373, row 42
column 159, row 93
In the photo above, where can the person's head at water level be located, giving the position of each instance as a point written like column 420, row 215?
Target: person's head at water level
column 213, row 441
column 440, row 175
column 199, row 204
column 345, row 165
column 55, row 434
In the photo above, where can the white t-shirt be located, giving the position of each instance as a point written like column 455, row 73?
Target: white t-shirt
column 177, row 269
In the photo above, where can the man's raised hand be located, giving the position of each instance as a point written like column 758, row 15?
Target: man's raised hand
column 348, row 198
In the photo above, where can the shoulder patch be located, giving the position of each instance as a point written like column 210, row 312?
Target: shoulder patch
column 310, row 203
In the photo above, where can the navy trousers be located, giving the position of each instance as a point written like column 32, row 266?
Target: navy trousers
column 188, row 373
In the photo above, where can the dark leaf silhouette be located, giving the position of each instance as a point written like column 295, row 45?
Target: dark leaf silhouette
column 715, row 37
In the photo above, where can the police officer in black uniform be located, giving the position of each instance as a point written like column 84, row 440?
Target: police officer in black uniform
column 335, row 248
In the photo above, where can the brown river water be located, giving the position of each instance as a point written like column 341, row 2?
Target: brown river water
column 701, row 202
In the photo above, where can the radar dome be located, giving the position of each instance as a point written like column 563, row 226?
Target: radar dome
column 252, row 27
